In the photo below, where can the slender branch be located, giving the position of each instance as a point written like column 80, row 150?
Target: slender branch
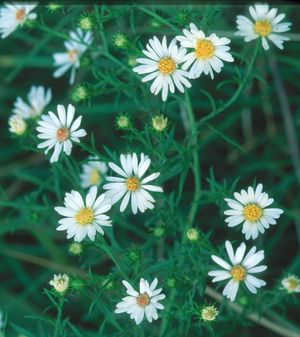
column 59, row 316
column 266, row 323
column 196, row 160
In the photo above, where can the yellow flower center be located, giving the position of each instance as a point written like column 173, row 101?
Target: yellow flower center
column 62, row 134
column 204, row 49
column 292, row 283
column 85, row 216
column 263, row 27
column 133, row 184
column 143, row 300
column 238, row 273
column 20, row 14
column 95, row 177
column 167, row 66
column 253, row 212
column 72, row 54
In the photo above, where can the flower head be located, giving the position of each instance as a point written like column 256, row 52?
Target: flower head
column 59, row 131
column 209, row 313
column 142, row 302
column 131, row 184
column 76, row 248
column 159, row 123
column 250, row 209
column 267, row 25
column 17, row 125
column 84, row 217
column 38, row 99
column 291, row 284
column 241, row 270
column 161, row 65
column 60, row 282
column 86, row 22
column 208, row 53
column 120, row 41
column 192, row 234
column 76, row 47
column 14, row 15
column 93, row 172
column 123, row 122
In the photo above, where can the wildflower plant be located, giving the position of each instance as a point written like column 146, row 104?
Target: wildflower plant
column 149, row 170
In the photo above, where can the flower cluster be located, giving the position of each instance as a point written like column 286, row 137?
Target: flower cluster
column 170, row 66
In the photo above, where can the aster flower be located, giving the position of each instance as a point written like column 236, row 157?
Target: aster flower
column 250, row 209
column 17, row 125
column 267, row 25
column 14, row 15
column 84, row 217
column 59, row 131
column 209, row 313
column 60, row 282
column 291, row 284
column 241, row 270
column 76, row 46
column 144, row 302
column 131, row 184
column 161, row 65
column 93, row 172
column 208, row 53
column 38, row 99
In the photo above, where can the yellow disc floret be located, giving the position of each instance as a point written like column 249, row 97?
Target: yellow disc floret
column 95, row 177
column 62, row 134
column 85, row 216
column 133, row 184
column 204, row 49
column 238, row 273
column 263, row 27
column 143, row 300
column 253, row 212
column 167, row 66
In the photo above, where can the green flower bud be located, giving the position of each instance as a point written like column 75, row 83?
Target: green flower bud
column 86, row 22
column 192, row 234
column 75, row 248
column 123, row 122
column 120, row 41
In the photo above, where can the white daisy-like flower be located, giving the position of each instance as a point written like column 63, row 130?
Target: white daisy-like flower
column 131, row 184
column 142, row 302
column 241, row 270
column 84, row 217
column 14, row 15
column 208, row 53
column 38, row 99
column 161, row 65
column 267, row 25
column 60, row 282
column 93, row 172
column 76, row 46
column 291, row 284
column 60, row 131
column 17, row 125
column 250, row 209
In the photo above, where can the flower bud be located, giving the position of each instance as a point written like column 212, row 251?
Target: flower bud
column 60, row 283
column 17, row 125
column 75, row 248
column 209, row 313
column 159, row 123
column 291, row 284
column 120, row 41
column 86, row 22
column 192, row 234
column 123, row 122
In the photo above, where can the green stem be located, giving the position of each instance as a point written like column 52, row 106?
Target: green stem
column 240, row 88
column 59, row 316
column 196, row 161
